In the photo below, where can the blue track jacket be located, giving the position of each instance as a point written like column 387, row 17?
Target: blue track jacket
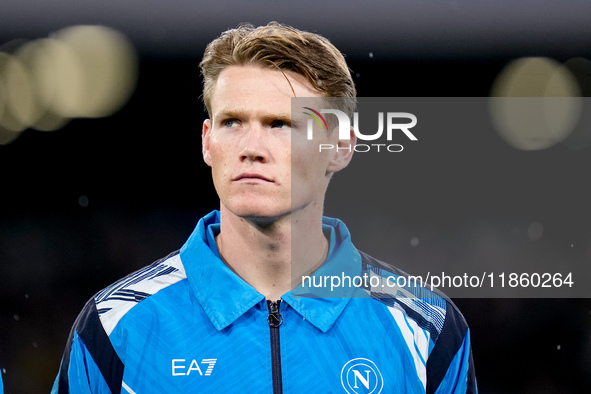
column 188, row 324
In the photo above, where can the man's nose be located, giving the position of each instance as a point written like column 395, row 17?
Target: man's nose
column 254, row 144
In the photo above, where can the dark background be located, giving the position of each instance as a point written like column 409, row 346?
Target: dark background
column 141, row 172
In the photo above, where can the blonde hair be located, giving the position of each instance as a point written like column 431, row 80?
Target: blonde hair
column 280, row 47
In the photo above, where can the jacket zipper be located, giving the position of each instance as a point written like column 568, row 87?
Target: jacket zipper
column 275, row 319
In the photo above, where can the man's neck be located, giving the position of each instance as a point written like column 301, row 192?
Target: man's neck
column 271, row 256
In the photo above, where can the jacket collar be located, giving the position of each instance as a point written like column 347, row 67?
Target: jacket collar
column 225, row 297
column 322, row 304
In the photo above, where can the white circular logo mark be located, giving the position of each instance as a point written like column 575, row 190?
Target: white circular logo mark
column 361, row 376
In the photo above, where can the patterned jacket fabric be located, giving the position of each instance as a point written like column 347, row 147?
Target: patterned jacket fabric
column 189, row 324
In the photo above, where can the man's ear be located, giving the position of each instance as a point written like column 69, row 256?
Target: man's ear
column 205, row 135
column 344, row 153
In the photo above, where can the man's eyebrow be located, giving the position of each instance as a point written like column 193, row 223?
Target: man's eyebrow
column 229, row 114
column 238, row 114
column 283, row 118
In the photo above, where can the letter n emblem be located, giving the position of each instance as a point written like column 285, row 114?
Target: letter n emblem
column 361, row 375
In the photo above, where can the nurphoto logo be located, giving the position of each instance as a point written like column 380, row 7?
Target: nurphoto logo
column 361, row 375
column 394, row 123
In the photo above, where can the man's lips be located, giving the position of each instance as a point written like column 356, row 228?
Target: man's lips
column 252, row 177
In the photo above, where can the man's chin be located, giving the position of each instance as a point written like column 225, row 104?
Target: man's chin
column 261, row 215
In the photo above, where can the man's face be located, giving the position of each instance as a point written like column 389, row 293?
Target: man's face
column 257, row 171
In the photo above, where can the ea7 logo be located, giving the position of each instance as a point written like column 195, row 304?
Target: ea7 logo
column 361, row 375
column 182, row 367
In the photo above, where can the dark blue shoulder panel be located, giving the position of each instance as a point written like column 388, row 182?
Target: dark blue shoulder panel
column 91, row 332
column 447, row 346
column 447, row 342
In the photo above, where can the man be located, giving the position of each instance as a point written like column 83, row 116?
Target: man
column 222, row 313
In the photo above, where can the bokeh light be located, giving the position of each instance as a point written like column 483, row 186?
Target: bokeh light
column 79, row 72
column 20, row 94
column 535, row 103
column 9, row 120
column 37, row 58
column 107, row 69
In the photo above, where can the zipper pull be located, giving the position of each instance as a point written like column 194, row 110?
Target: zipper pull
column 275, row 319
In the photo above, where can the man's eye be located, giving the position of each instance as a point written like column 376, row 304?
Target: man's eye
column 229, row 123
column 279, row 124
